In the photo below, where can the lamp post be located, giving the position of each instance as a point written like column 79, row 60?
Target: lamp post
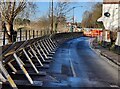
column 73, row 12
column 73, row 15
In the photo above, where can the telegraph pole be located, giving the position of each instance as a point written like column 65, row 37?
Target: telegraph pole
column 52, row 18
column 73, row 14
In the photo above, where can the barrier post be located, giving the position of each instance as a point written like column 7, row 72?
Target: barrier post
column 23, row 68
column 36, row 56
column 10, row 80
column 36, row 70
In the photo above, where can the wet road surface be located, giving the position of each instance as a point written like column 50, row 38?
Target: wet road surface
column 77, row 65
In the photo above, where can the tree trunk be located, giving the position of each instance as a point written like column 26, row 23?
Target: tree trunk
column 9, row 32
column 56, row 25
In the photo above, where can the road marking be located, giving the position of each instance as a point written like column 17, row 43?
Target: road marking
column 72, row 67
column 114, row 86
column 54, row 78
column 73, row 70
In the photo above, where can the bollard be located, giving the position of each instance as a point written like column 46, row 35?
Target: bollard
column 29, row 34
column 4, row 37
column 26, row 34
column 33, row 34
column 20, row 35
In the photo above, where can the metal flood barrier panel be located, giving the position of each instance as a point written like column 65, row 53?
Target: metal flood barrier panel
column 18, row 57
column 21, row 61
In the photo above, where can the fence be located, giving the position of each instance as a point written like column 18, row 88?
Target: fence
column 24, row 35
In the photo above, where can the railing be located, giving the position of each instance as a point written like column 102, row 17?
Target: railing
column 24, row 35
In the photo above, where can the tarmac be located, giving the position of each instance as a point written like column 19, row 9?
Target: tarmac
column 110, row 55
column 77, row 65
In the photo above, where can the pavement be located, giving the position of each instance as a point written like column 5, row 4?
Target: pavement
column 77, row 65
column 111, row 56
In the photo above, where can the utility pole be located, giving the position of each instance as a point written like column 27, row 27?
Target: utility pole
column 52, row 18
column 73, row 14
column 49, row 15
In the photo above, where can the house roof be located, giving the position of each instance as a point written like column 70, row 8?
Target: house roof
column 111, row 1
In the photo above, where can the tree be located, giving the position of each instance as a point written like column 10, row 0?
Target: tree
column 44, row 22
column 26, row 21
column 18, row 21
column 10, row 10
column 90, row 17
column 86, row 19
column 96, row 13
column 60, row 13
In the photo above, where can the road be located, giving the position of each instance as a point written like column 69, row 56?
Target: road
column 77, row 65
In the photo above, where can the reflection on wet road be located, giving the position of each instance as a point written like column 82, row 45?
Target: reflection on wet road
column 77, row 65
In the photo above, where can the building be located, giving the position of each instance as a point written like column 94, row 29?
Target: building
column 110, row 18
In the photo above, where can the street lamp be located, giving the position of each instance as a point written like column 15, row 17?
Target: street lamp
column 73, row 12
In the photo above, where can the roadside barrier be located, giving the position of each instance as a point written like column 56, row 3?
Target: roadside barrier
column 22, row 61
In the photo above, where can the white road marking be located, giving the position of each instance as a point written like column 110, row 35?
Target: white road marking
column 73, row 70
column 115, row 86
column 71, row 65
column 54, row 78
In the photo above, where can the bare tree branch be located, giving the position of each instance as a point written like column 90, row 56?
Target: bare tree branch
column 10, row 9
